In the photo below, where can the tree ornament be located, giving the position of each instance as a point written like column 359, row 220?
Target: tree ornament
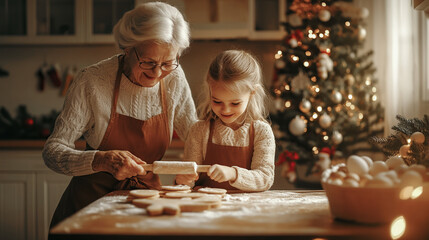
column 297, row 126
column 280, row 64
column 295, row 20
column 293, row 42
column 362, row 33
column 325, row 121
column 324, row 15
column 337, row 137
column 350, row 79
column 278, row 103
column 336, row 97
column 403, row 151
column 323, row 163
column 418, row 137
column 300, row 82
column 305, row 106
column 364, row 13
column 324, row 65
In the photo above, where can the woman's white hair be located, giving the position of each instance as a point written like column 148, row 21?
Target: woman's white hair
column 154, row 21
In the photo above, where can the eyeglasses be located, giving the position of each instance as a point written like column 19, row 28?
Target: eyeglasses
column 165, row 66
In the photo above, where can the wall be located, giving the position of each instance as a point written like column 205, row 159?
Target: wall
column 22, row 63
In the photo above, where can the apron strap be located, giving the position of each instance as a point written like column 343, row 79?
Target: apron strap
column 117, row 85
column 251, row 136
column 164, row 106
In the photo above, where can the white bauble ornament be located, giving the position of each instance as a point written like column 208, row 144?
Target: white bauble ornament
column 337, row 137
column 350, row 79
column 325, row 121
column 278, row 104
column 336, row 97
column 324, row 15
column 418, row 137
column 362, row 33
column 297, row 126
column 326, row 61
column 323, row 74
column 280, row 64
column 295, row 20
column 364, row 13
column 300, row 82
column 293, row 42
column 305, row 106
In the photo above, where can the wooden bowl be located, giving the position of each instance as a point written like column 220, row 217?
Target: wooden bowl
column 363, row 205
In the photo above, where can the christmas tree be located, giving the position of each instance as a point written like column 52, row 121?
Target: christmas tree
column 410, row 141
column 325, row 98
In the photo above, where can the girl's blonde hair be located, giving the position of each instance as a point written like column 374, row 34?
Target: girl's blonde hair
column 238, row 71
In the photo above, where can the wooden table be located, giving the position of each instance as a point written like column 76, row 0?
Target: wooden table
column 277, row 214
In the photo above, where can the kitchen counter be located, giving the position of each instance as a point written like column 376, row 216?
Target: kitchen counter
column 272, row 214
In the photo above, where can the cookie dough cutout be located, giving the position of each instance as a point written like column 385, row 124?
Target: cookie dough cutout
column 210, row 190
column 162, row 193
column 142, row 193
column 175, row 188
column 191, row 195
column 172, row 206
column 213, row 200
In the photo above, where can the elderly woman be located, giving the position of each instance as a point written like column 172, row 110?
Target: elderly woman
column 126, row 107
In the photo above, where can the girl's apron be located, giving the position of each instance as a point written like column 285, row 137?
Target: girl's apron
column 227, row 156
column 147, row 140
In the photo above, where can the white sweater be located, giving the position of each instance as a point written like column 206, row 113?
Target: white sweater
column 261, row 175
column 87, row 108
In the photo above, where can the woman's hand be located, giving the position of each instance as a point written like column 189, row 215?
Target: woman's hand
column 186, row 179
column 220, row 173
column 121, row 164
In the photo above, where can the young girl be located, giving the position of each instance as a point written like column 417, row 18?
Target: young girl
column 233, row 135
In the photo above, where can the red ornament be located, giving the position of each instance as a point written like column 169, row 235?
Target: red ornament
column 45, row 132
column 330, row 151
column 289, row 157
column 297, row 34
column 29, row 122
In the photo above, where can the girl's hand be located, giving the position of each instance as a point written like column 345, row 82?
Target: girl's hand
column 186, row 179
column 220, row 173
column 121, row 164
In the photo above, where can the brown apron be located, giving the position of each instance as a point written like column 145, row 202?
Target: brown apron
column 147, row 140
column 227, row 156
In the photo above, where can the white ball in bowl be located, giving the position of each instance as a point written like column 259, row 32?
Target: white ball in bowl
column 378, row 167
column 411, row 178
column 368, row 160
column 380, row 181
column 356, row 164
column 394, row 161
column 418, row 168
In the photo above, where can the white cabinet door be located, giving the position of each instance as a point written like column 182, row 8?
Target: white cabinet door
column 17, row 206
column 50, row 187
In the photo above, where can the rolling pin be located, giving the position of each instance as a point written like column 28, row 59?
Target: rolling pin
column 175, row 167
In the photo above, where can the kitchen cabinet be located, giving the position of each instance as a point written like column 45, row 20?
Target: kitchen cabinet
column 29, row 194
column 17, row 206
column 92, row 21
column 233, row 19
column 60, row 21
column 30, row 191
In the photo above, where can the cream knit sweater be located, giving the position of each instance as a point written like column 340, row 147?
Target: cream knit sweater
column 261, row 175
column 87, row 107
